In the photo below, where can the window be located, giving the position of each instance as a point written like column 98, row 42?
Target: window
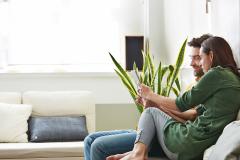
column 67, row 32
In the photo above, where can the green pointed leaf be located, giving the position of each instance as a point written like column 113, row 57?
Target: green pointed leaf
column 123, row 72
column 134, row 66
column 164, row 92
column 125, row 82
column 137, row 73
column 150, row 67
column 175, row 91
column 140, row 107
column 145, row 68
column 178, row 84
column 170, row 69
column 164, row 71
column 145, row 62
column 154, row 79
column 133, row 95
column 177, row 65
column 159, row 84
column 145, row 80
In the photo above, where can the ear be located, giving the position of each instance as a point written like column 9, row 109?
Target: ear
column 211, row 56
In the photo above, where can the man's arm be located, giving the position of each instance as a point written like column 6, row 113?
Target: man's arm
column 174, row 116
column 190, row 114
column 177, row 115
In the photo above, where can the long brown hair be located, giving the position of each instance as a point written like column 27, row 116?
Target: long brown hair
column 222, row 53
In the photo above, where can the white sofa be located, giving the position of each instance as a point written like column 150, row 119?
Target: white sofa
column 48, row 103
column 228, row 143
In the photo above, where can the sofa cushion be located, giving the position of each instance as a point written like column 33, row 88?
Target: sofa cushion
column 13, row 118
column 228, row 144
column 58, row 103
column 207, row 152
column 10, row 97
column 57, row 129
column 62, row 103
column 41, row 150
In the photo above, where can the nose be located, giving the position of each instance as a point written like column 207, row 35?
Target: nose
column 192, row 63
column 200, row 62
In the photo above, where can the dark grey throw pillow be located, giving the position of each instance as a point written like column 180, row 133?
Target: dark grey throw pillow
column 57, row 129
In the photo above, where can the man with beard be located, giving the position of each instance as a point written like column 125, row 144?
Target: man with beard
column 101, row 145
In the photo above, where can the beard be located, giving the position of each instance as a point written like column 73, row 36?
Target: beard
column 198, row 73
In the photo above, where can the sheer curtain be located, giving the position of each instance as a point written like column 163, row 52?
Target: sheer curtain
column 226, row 23
column 69, row 32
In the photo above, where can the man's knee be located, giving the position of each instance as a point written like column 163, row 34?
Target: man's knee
column 99, row 150
column 98, row 146
column 88, row 140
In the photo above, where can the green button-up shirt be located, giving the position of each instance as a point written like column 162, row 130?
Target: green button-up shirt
column 218, row 96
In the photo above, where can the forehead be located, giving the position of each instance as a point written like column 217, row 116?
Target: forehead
column 201, row 51
column 194, row 51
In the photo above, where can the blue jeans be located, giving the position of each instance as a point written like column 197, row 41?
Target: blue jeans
column 99, row 145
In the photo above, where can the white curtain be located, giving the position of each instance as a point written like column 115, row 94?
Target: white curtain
column 226, row 23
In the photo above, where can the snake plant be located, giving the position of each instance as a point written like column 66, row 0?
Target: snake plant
column 161, row 79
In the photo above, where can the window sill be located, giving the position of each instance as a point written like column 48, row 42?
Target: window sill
column 67, row 71
column 58, row 70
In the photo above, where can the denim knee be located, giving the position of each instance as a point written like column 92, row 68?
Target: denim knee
column 87, row 147
column 88, row 140
column 98, row 146
column 98, row 150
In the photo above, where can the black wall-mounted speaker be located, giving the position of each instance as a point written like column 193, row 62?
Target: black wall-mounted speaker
column 134, row 47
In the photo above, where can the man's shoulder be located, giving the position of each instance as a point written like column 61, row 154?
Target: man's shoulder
column 190, row 85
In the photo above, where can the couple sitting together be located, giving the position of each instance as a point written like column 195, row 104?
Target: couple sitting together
column 181, row 128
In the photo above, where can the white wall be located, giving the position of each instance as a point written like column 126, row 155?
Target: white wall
column 106, row 87
column 116, row 116
column 130, row 19
column 170, row 22
column 154, row 29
